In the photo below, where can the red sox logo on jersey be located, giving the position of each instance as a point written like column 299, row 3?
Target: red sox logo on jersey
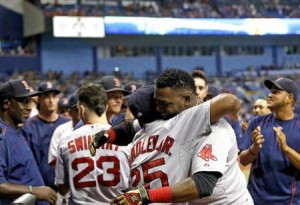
column 206, row 153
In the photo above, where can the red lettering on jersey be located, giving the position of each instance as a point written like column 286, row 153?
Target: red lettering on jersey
column 132, row 154
column 138, row 148
column 150, row 144
column 168, row 143
column 206, row 153
column 71, row 146
column 85, row 143
column 143, row 149
column 79, row 143
column 152, row 140
column 160, row 146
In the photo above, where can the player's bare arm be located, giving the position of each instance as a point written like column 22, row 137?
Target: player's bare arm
column 222, row 105
column 41, row 192
column 199, row 185
column 292, row 154
column 249, row 155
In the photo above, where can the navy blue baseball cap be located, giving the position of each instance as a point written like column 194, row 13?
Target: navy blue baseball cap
column 16, row 89
column 72, row 101
column 285, row 84
column 142, row 104
column 45, row 87
column 63, row 102
column 112, row 83
column 132, row 87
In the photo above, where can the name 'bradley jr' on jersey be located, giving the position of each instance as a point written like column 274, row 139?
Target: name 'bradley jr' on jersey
column 150, row 144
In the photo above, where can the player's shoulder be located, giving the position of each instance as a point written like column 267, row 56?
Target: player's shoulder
column 63, row 119
column 65, row 126
column 90, row 129
column 31, row 121
column 222, row 126
column 7, row 130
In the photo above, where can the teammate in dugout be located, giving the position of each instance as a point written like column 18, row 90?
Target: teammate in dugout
column 162, row 156
column 272, row 147
column 91, row 180
column 38, row 129
column 19, row 173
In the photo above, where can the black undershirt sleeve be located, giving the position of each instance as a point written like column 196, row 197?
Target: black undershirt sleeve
column 205, row 182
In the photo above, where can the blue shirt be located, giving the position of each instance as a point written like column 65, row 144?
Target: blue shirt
column 273, row 179
column 38, row 134
column 236, row 126
column 17, row 164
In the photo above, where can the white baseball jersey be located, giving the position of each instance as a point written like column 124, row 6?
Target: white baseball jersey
column 57, row 134
column 92, row 180
column 218, row 152
column 162, row 150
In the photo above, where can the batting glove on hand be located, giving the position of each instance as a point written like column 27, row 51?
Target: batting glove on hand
column 98, row 140
column 137, row 196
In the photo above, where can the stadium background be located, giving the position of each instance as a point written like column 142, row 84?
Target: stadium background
column 235, row 63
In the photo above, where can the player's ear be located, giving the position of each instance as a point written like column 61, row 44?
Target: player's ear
column 5, row 104
column 82, row 108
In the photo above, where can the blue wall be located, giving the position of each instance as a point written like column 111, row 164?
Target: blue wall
column 138, row 66
column 65, row 54
column 11, row 24
column 77, row 55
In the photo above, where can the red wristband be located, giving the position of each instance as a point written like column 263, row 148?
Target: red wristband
column 161, row 195
column 112, row 135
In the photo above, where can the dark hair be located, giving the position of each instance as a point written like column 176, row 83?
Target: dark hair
column 176, row 79
column 94, row 96
column 199, row 74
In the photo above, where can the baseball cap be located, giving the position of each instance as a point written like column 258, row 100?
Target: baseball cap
column 72, row 101
column 132, row 87
column 63, row 102
column 16, row 89
column 112, row 83
column 142, row 104
column 285, row 84
column 45, row 87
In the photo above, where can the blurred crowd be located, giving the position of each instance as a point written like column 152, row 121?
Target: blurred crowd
column 246, row 84
column 176, row 8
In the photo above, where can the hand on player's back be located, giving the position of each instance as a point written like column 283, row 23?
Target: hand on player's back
column 98, row 140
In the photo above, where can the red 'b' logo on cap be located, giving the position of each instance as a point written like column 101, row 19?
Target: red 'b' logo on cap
column 133, row 88
column 27, row 87
column 117, row 82
column 49, row 85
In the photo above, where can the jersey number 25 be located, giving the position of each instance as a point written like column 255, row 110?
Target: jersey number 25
column 149, row 176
